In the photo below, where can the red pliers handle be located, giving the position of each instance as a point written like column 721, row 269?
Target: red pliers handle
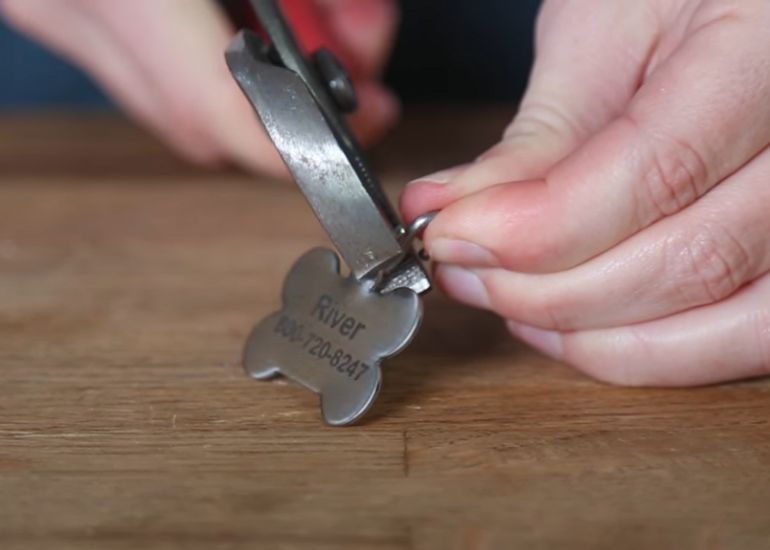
column 308, row 22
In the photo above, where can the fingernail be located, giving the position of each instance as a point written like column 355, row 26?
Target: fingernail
column 463, row 285
column 456, row 251
column 443, row 176
column 546, row 341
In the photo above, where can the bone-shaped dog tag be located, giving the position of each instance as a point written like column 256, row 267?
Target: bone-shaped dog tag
column 331, row 334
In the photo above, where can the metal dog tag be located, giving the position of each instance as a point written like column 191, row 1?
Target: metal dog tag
column 331, row 332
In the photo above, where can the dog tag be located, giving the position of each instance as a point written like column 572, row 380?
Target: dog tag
column 331, row 334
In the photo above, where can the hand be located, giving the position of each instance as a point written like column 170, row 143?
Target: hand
column 623, row 222
column 164, row 62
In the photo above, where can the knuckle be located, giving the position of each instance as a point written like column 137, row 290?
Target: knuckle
column 537, row 117
column 188, row 128
column 545, row 308
column 554, row 313
column 675, row 174
column 185, row 116
column 548, row 311
column 706, row 265
column 613, row 366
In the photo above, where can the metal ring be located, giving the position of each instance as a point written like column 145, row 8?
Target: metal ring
column 417, row 226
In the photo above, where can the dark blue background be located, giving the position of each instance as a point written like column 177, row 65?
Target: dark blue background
column 32, row 77
column 463, row 49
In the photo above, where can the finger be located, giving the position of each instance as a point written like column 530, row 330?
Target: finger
column 378, row 111
column 588, row 64
column 699, row 256
column 161, row 61
column 72, row 33
column 365, row 30
column 725, row 341
column 180, row 52
column 360, row 33
column 701, row 116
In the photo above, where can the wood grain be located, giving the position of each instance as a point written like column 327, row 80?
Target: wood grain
column 128, row 282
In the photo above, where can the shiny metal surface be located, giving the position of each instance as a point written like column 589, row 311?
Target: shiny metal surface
column 291, row 57
column 363, row 236
column 331, row 334
column 304, row 122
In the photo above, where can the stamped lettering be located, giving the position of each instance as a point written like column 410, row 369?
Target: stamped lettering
column 331, row 335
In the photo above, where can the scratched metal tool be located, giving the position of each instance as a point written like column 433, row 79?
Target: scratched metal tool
column 332, row 332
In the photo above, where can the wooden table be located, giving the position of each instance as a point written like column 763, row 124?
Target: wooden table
column 128, row 282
